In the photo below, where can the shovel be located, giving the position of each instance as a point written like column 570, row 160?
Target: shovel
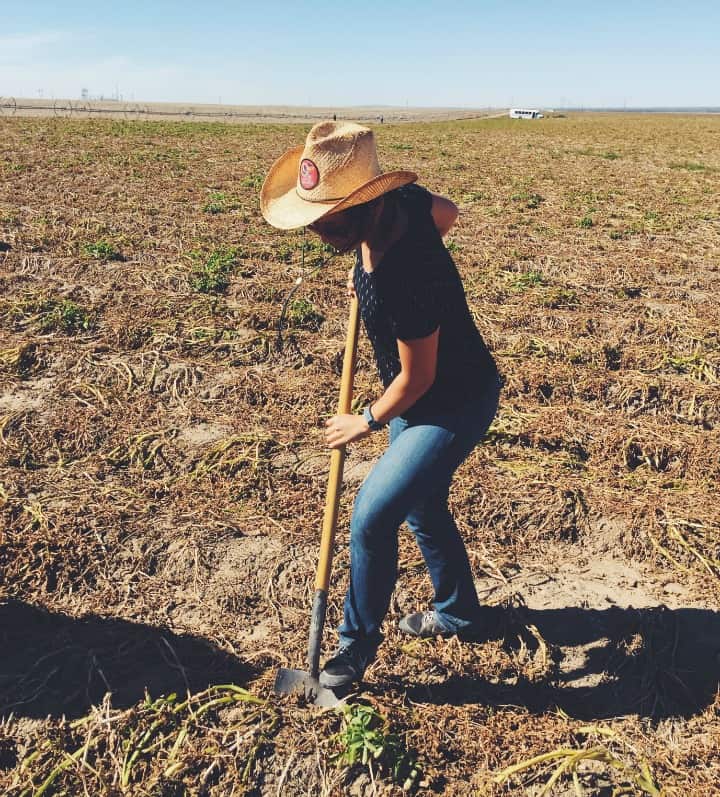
column 306, row 682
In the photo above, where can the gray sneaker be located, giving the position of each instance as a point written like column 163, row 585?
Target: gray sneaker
column 424, row 624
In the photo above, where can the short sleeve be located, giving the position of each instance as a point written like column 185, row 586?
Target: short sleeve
column 415, row 307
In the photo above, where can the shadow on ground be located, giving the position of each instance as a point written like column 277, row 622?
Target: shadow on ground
column 654, row 662
column 53, row 665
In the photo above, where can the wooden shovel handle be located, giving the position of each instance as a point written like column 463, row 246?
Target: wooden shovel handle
column 337, row 457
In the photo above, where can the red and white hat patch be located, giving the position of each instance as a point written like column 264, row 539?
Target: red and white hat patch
column 309, row 174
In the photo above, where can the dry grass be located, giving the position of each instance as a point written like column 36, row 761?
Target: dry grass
column 162, row 480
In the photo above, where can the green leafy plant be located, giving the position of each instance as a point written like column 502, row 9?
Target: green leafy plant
column 531, row 201
column 303, row 313
column 65, row 316
column 211, row 275
column 101, row 250
column 366, row 738
column 217, row 202
column 529, row 279
column 586, row 222
column 220, row 202
column 253, row 181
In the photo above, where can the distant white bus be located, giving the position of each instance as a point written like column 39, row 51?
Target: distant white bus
column 525, row 113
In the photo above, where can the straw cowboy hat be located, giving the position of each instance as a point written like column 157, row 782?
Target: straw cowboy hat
column 335, row 169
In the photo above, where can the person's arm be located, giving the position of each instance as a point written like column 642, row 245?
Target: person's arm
column 444, row 212
column 418, row 366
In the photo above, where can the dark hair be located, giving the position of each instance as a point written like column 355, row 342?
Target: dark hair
column 359, row 217
column 353, row 224
column 362, row 222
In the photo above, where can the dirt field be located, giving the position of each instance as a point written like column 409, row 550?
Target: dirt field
column 162, row 470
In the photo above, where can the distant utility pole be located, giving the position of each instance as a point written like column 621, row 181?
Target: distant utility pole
column 40, row 93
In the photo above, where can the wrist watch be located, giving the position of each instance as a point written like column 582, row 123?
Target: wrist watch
column 371, row 422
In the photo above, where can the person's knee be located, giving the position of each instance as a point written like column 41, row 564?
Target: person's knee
column 372, row 520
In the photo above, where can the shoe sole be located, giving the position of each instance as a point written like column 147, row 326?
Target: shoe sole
column 337, row 681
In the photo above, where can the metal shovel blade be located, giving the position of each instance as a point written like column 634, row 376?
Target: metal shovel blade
column 300, row 681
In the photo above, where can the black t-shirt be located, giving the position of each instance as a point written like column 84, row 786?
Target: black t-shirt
column 415, row 289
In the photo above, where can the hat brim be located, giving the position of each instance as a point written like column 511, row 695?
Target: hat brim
column 282, row 206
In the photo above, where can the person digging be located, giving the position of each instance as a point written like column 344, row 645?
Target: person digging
column 441, row 384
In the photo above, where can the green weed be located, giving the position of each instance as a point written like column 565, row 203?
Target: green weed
column 212, row 274
column 531, row 201
column 65, row 316
column 366, row 738
column 253, row 181
column 216, row 203
column 586, row 222
column 303, row 314
column 220, row 202
column 101, row 250
column 529, row 279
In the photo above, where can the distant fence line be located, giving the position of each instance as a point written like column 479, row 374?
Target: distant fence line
column 9, row 107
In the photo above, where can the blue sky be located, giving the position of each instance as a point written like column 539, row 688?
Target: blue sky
column 449, row 53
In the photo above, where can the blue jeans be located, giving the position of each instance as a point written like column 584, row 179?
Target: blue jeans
column 410, row 483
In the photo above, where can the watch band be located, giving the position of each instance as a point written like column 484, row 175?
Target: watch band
column 371, row 422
